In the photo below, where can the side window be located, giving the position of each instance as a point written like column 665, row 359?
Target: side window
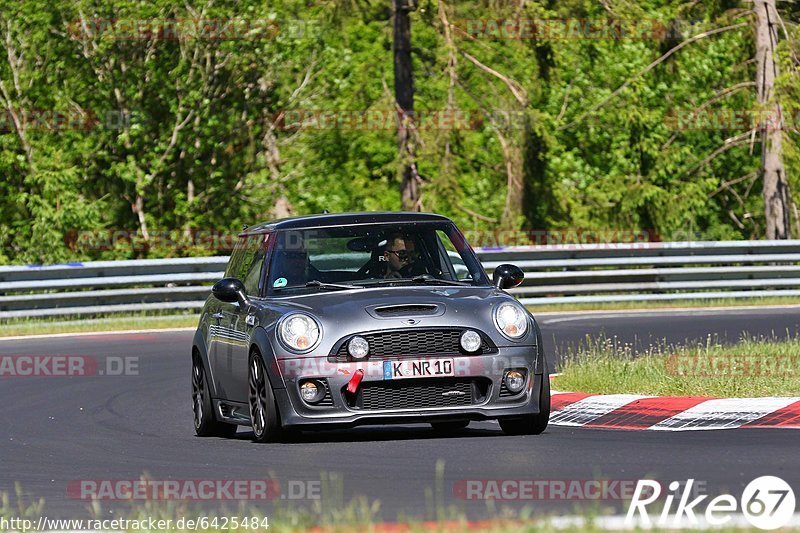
column 235, row 262
column 247, row 261
column 461, row 271
column 253, row 264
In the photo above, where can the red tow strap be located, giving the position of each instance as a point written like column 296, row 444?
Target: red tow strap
column 355, row 381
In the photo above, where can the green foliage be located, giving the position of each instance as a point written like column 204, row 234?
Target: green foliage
column 168, row 137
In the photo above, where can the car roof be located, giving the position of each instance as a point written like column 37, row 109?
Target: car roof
column 344, row 219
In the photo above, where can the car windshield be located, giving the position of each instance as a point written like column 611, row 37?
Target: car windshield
column 365, row 255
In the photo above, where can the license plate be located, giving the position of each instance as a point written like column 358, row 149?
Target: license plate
column 418, row 368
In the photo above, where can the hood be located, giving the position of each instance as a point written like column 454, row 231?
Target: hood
column 346, row 312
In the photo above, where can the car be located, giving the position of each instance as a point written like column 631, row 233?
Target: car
column 340, row 320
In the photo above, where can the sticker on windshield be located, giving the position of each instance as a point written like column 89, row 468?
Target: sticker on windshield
column 280, row 282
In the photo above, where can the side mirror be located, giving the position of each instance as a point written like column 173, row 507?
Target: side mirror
column 229, row 290
column 507, row 276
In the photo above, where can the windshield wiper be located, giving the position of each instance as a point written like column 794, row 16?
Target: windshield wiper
column 421, row 279
column 332, row 286
column 427, row 278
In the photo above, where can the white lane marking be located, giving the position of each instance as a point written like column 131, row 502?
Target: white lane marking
column 591, row 408
column 94, row 333
column 623, row 313
column 723, row 413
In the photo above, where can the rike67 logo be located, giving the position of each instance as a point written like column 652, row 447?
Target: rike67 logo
column 767, row 502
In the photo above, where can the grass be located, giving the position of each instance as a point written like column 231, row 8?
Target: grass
column 751, row 368
column 672, row 304
column 47, row 326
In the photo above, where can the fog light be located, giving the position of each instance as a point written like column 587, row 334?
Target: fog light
column 311, row 391
column 470, row 341
column 358, row 347
column 515, row 380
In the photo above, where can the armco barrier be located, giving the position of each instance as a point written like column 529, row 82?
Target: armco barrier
column 553, row 274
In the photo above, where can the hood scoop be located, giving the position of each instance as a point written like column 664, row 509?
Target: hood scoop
column 402, row 310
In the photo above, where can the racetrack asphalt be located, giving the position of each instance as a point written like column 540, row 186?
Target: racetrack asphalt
column 56, row 430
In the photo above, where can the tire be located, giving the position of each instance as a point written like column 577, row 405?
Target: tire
column 205, row 421
column 264, row 416
column 532, row 424
column 449, row 427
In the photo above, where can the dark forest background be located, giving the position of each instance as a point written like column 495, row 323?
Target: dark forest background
column 119, row 141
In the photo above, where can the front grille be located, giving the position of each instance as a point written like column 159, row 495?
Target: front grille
column 420, row 393
column 415, row 342
column 405, row 310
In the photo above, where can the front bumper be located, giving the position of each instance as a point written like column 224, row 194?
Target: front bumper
column 344, row 411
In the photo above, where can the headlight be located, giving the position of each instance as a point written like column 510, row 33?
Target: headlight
column 299, row 332
column 470, row 341
column 358, row 347
column 511, row 320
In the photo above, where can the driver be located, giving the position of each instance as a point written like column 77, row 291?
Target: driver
column 415, row 265
column 401, row 257
column 398, row 255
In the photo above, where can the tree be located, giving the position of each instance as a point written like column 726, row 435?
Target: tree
column 775, row 186
column 213, row 133
column 410, row 180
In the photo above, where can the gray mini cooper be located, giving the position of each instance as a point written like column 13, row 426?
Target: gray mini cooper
column 339, row 320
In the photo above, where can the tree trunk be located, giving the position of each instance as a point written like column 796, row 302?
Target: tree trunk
column 512, row 156
column 404, row 95
column 776, row 187
column 138, row 210
column 187, row 227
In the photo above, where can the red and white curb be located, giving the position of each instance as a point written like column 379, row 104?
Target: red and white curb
column 672, row 413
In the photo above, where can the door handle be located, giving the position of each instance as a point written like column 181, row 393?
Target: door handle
column 218, row 315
